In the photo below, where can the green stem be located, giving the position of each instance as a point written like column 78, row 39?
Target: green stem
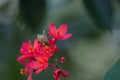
column 65, row 78
column 55, row 61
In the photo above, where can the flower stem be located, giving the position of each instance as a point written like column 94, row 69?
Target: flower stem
column 65, row 78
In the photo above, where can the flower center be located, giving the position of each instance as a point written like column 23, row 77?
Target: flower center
column 41, row 61
column 47, row 49
column 30, row 49
column 58, row 32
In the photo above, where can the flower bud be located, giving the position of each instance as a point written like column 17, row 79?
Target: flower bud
column 62, row 60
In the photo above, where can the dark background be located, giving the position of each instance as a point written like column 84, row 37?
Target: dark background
column 93, row 51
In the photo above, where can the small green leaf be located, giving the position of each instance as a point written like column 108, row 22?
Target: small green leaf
column 114, row 72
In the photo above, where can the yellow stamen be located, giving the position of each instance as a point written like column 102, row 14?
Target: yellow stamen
column 41, row 61
column 58, row 32
column 30, row 49
column 47, row 49
column 22, row 72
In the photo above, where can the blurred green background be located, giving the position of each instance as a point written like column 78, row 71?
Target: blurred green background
column 93, row 52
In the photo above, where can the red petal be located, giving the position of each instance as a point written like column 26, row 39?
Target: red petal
column 64, row 73
column 35, row 43
column 22, row 58
column 38, row 71
column 39, row 56
column 52, row 29
column 56, row 74
column 29, row 76
column 24, row 49
column 55, row 48
column 66, row 36
column 63, row 28
column 34, row 65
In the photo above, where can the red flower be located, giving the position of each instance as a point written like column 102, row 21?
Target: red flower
column 34, row 58
column 27, row 53
column 60, row 33
column 58, row 72
column 41, row 62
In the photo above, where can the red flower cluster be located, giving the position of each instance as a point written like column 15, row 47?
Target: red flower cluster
column 36, row 57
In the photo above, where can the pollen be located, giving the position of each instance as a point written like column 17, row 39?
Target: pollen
column 22, row 72
column 41, row 61
column 30, row 49
column 47, row 49
column 58, row 32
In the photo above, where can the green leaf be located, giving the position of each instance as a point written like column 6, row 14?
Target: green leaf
column 101, row 12
column 114, row 72
column 32, row 12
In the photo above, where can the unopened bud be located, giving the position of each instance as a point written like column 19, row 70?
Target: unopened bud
column 51, row 65
column 62, row 60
